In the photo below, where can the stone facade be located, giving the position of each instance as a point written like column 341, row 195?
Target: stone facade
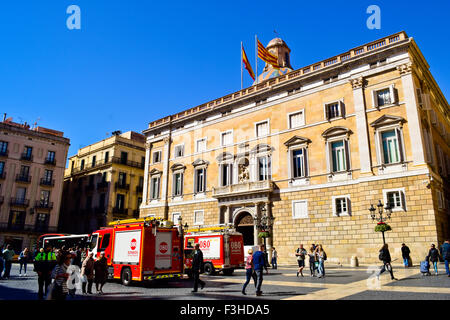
column 314, row 149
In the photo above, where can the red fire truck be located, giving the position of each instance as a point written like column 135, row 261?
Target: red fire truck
column 222, row 247
column 140, row 249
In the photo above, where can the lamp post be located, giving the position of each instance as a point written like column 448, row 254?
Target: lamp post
column 380, row 218
column 263, row 224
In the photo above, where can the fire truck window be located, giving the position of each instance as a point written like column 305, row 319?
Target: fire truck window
column 105, row 242
column 93, row 242
column 190, row 243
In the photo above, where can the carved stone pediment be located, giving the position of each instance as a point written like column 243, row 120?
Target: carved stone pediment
column 154, row 172
column 224, row 157
column 296, row 140
column 336, row 131
column 262, row 147
column 200, row 162
column 177, row 166
column 387, row 120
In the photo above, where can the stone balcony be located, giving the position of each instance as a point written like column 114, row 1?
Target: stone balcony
column 243, row 189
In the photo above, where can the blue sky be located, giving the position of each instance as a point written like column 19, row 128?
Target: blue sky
column 136, row 61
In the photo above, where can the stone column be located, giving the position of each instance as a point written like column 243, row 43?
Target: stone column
column 255, row 229
column 361, row 126
column 148, row 147
column 270, row 239
column 412, row 114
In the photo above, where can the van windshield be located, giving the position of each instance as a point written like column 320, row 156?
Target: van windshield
column 93, row 242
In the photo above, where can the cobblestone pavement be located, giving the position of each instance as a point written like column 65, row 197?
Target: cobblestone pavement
column 280, row 284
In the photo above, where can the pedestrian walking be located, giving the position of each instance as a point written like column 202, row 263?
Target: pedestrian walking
column 433, row 257
column 2, row 261
column 197, row 267
column 312, row 261
column 405, row 255
column 77, row 259
column 23, row 261
column 44, row 263
column 300, row 253
column 8, row 255
column 385, row 256
column 87, row 272
column 321, row 257
column 101, row 273
column 266, row 258
column 445, row 253
column 274, row 258
column 258, row 266
column 61, row 276
column 249, row 271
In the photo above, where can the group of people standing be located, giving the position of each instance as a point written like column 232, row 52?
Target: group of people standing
column 57, row 264
column 317, row 257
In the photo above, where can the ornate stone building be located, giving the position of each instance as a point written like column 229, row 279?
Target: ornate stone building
column 104, row 182
column 313, row 148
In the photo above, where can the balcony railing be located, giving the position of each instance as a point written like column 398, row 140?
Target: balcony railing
column 23, row 178
column 104, row 162
column 43, row 205
column 122, row 186
column 243, row 188
column 120, row 211
column 26, row 157
column 47, row 182
column 4, row 153
column 129, row 163
column 50, row 161
column 27, row 227
column 19, row 202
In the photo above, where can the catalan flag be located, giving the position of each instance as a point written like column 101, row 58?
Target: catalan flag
column 266, row 56
column 247, row 64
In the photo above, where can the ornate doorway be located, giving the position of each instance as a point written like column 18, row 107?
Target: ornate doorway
column 245, row 225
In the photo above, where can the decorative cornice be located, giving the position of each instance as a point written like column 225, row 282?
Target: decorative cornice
column 296, row 140
column 357, row 83
column 406, row 68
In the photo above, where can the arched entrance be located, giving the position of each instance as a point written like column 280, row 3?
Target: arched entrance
column 244, row 224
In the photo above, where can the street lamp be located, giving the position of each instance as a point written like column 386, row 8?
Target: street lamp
column 380, row 218
column 264, row 223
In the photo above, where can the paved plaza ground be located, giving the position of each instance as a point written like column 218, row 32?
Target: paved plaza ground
column 281, row 284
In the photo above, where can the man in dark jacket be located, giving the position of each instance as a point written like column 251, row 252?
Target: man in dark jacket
column 405, row 255
column 385, row 256
column 445, row 252
column 259, row 263
column 197, row 266
column 44, row 263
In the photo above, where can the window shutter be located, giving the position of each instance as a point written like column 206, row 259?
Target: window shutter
column 347, row 155
column 374, row 99
column 342, row 108
column 400, row 144
column 393, row 95
column 305, row 164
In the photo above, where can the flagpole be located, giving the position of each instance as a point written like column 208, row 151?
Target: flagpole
column 256, row 57
column 242, row 58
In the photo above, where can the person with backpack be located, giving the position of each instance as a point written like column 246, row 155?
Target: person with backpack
column 300, row 253
column 385, row 256
column 405, row 255
column 445, row 253
column 312, row 261
column 8, row 255
column 433, row 257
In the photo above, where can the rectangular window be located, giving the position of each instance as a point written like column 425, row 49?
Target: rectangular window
column 262, row 129
column 383, row 97
column 227, row 138
column 21, row 194
column 200, row 180
column 48, row 176
column 299, row 209
column 82, row 165
column 2, row 167
column 226, row 174
column 198, row 217
column 42, row 222
column 51, row 156
column 441, row 199
column 296, row 120
column 338, row 156
column 178, row 184
column 106, row 156
column 123, row 157
column 176, row 218
column 122, row 178
column 101, row 202
column 333, row 110
column 391, row 151
column 24, row 171
column 200, row 145
column 395, row 198
column 298, row 161
column 179, row 151
column 154, row 188
column 156, row 156
column 120, row 201
column 3, row 148
column 28, row 152
column 264, row 168
column 94, row 161
column 341, row 205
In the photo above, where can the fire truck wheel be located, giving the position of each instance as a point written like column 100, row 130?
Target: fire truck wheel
column 126, row 276
column 228, row 272
column 209, row 269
